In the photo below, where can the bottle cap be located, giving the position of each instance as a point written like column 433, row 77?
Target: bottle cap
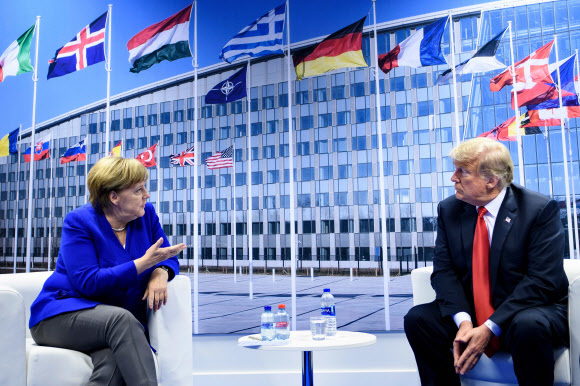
column 267, row 308
column 327, row 290
column 281, row 306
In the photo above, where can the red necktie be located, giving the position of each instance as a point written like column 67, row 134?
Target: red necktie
column 480, row 273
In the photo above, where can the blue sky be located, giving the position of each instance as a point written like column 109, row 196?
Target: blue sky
column 219, row 20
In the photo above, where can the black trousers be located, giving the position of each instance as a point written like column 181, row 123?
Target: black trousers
column 112, row 336
column 530, row 338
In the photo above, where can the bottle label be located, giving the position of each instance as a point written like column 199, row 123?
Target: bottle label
column 281, row 324
column 328, row 311
column 267, row 326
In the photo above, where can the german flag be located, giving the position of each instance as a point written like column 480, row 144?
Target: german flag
column 341, row 49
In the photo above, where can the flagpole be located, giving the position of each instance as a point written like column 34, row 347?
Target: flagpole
column 547, row 137
column 383, row 204
column 32, row 146
column 196, row 158
column 249, row 181
column 50, row 206
column 87, row 136
column 17, row 191
column 575, row 222
column 108, row 69
column 291, row 175
column 233, row 203
column 517, row 111
column 455, row 107
column 566, row 177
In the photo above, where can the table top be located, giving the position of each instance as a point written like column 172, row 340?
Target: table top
column 302, row 341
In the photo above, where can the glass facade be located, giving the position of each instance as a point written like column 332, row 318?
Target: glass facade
column 336, row 169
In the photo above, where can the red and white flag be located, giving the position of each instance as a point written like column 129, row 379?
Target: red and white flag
column 183, row 158
column 529, row 71
column 551, row 117
column 147, row 158
column 221, row 159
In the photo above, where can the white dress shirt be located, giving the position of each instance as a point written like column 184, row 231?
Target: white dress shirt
column 489, row 218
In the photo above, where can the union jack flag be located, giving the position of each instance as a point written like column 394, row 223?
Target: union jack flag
column 185, row 157
column 221, row 159
column 85, row 49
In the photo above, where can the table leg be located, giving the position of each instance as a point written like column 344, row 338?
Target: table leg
column 307, row 373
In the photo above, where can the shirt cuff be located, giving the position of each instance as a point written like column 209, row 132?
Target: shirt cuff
column 460, row 317
column 493, row 327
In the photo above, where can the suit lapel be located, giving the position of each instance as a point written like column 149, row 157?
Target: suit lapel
column 468, row 221
column 505, row 219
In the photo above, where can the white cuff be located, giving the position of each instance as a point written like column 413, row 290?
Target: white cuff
column 493, row 327
column 460, row 317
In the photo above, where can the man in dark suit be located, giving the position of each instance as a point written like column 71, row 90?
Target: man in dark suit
column 497, row 273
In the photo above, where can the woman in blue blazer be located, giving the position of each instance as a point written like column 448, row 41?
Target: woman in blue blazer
column 114, row 262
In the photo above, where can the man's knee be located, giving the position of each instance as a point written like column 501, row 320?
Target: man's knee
column 527, row 326
column 417, row 316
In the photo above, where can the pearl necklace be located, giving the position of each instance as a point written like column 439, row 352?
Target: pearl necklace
column 119, row 229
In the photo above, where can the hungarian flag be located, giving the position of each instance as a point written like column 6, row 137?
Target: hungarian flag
column 529, row 71
column 75, row 153
column 16, row 59
column 507, row 131
column 41, row 150
column 116, row 151
column 166, row 40
column 147, row 158
column 422, row 48
column 339, row 50
column 183, row 158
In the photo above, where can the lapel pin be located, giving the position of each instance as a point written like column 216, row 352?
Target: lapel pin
column 508, row 220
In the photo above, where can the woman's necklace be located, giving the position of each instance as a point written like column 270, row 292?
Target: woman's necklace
column 119, row 229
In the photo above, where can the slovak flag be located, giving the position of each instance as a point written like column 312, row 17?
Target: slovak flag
column 147, row 158
column 41, row 150
column 75, row 153
column 423, row 48
column 85, row 49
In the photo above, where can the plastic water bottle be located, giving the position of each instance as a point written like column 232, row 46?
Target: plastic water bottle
column 327, row 309
column 282, row 323
column 267, row 324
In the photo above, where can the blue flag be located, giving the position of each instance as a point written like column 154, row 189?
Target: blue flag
column 229, row 90
column 85, row 49
column 261, row 38
column 13, row 141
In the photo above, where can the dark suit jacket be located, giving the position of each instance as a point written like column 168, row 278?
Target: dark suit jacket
column 526, row 254
column 94, row 268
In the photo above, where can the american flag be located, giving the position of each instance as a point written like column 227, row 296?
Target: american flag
column 185, row 157
column 221, row 159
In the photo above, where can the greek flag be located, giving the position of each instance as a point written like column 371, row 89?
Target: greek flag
column 261, row 38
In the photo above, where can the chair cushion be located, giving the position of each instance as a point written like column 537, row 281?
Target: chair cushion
column 501, row 368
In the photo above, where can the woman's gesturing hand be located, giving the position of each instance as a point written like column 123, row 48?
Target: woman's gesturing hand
column 155, row 255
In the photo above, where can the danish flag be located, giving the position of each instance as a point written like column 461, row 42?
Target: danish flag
column 529, row 71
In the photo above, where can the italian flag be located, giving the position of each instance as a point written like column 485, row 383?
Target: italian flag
column 16, row 59
column 166, row 40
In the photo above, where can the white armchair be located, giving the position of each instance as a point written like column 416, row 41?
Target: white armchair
column 22, row 362
column 499, row 370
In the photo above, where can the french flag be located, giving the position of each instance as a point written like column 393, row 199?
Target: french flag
column 75, row 153
column 423, row 48
column 41, row 150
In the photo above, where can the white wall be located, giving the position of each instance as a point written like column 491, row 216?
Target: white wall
column 218, row 360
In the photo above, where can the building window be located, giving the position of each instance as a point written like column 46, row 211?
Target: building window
column 127, row 118
column 165, row 116
column 178, row 110
column 152, row 114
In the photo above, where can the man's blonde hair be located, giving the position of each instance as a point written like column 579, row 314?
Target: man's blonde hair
column 493, row 159
column 113, row 174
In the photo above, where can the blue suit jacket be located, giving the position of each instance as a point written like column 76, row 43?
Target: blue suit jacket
column 525, row 258
column 94, row 268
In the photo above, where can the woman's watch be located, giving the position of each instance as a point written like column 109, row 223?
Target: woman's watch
column 166, row 269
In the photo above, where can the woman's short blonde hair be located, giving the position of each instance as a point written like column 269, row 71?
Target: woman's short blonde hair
column 492, row 157
column 113, row 174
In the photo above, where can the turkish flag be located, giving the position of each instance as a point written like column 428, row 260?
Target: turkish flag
column 147, row 158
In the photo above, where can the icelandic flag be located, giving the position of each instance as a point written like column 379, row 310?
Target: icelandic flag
column 545, row 95
column 229, row 90
column 261, row 38
column 85, row 49
column 484, row 60
column 423, row 48
column 41, row 150
column 75, row 153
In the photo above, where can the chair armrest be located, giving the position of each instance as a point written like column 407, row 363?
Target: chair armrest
column 170, row 334
column 12, row 338
column 421, row 282
column 574, row 323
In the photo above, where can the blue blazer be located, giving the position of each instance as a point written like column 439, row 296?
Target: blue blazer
column 93, row 267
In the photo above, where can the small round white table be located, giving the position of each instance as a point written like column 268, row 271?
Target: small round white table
column 302, row 341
